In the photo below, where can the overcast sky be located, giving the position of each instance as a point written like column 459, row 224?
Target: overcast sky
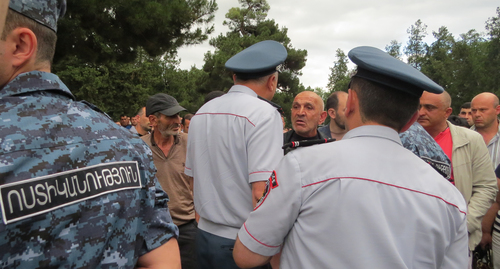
column 323, row 26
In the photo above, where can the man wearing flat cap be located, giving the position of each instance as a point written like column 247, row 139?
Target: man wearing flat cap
column 234, row 144
column 168, row 146
column 364, row 201
column 76, row 189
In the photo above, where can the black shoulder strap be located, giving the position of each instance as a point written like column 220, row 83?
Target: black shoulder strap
column 280, row 110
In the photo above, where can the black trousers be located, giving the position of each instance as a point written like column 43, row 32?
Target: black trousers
column 215, row 252
column 187, row 244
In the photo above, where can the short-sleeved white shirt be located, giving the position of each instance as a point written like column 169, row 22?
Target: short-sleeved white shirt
column 234, row 140
column 362, row 202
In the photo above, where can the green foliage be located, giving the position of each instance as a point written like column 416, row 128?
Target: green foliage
column 110, row 51
column 464, row 66
column 339, row 77
column 115, row 88
column 116, row 53
column 102, row 31
column 394, row 49
column 244, row 20
column 182, row 85
column 416, row 47
column 492, row 65
column 249, row 25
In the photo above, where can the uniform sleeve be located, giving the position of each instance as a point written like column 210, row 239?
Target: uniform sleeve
column 273, row 217
column 484, row 184
column 264, row 147
column 188, row 165
column 161, row 227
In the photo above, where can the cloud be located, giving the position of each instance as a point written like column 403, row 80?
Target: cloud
column 322, row 26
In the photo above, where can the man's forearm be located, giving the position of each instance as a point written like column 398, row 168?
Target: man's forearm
column 257, row 191
column 166, row 256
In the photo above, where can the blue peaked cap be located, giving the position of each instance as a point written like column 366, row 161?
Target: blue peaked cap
column 258, row 60
column 45, row 12
column 377, row 66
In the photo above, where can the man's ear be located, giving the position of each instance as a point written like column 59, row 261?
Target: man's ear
column 322, row 117
column 271, row 82
column 350, row 104
column 23, row 46
column 153, row 120
column 448, row 112
column 331, row 113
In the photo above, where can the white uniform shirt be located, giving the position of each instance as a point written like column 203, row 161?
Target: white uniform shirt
column 234, row 140
column 362, row 202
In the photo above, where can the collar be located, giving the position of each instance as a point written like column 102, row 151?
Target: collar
column 458, row 138
column 176, row 139
column 246, row 90
column 374, row 131
column 35, row 81
column 280, row 110
column 242, row 89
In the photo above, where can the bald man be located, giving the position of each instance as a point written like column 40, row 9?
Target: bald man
column 472, row 171
column 485, row 109
column 307, row 113
column 335, row 106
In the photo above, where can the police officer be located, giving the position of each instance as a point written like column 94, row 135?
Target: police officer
column 364, row 201
column 234, row 144
column 76, row 189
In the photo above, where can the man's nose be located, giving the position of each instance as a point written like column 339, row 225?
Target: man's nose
column 421, row 111
column 301, row 111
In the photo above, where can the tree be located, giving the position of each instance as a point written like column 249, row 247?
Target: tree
column 99, row 31
column 469, row 60
column 493, row 63
column 415, row 47
column 247, row 26
column 438, row 63
column 117, row 88
column 338, row 79
column 394, row 49
column 182, row 85
column 116, row 53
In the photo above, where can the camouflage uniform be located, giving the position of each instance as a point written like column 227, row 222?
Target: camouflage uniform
column 419, row 141
column 90, row 215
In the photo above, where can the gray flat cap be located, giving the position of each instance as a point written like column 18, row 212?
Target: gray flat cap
column 163, row 103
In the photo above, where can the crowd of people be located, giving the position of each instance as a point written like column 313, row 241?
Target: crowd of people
column 394, row 180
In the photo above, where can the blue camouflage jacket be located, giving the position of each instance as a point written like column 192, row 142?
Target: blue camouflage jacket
column 76, row 189
column 420, row 142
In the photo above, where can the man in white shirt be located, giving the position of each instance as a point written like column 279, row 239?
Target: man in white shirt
column 234, row 144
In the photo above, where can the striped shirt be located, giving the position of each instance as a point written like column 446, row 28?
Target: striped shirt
column 493, row 147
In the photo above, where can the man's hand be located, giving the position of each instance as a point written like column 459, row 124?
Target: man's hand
column 486, row 241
